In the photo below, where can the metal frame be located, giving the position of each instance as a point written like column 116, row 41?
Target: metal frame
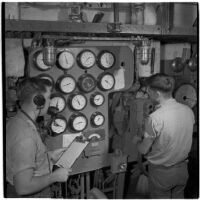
column 27, row 29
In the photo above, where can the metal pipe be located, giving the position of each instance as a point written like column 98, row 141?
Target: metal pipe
column 82, row 186
column 116, row 12
column 92, row 38
column 87, row 184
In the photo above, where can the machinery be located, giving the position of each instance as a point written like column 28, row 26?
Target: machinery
column 84, row 76
column 98, row 101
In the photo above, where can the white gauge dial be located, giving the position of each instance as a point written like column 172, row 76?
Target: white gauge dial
column 66, row 60
column 58, row 125
column 106, row 60
column 40, row 63
column 186, row 94
column 79, row 123
column 58, row 102
column 97, row 119
column 97, row 99
column 67, row 84
column 78, row 101
column 87, row 59
column 107, row 81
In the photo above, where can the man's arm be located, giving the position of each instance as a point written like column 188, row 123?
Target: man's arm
column 152, row 128
column 25, row 183
column 23, row 162
column 143, row 145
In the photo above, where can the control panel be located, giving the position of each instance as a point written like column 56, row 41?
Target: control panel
column 82, row 79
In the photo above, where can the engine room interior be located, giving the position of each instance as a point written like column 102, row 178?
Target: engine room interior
column 98, row 58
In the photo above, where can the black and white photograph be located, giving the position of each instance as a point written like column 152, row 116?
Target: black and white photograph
column 100, row 100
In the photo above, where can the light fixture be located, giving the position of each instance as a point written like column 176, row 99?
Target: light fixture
column 145, row 52
column 49, row 53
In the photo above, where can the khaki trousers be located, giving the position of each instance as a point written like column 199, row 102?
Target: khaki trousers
column 168, row 182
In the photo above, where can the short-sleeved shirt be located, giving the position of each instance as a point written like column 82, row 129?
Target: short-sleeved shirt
column 24, row 148
column 171, row 127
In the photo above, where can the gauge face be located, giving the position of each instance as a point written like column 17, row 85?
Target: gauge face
column 106, row 81
column 97, row 119
column 66, row 60
column 86, row 59
column 66, row 84
column 58, row 125
column 186, row 94
column 47, row 77
column 106, row 60
column 97, row 99
column 78, row 122
column 87, row 83
column 38, row 60
column 58, row 102
column 78, row 102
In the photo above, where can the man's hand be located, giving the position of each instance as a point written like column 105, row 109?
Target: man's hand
column 136, row 139
column 61, row 174
column 55, row 155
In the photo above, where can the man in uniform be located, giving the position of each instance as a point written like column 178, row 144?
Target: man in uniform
column 167, row 140
column 28, row 170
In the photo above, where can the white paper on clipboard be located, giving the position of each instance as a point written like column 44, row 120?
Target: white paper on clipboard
column 69, row 138
column 71, row 154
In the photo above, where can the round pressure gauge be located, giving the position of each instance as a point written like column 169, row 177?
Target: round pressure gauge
column 66, row 84
column 65, row 60
column 58, row 102
column 106, row 81
column 106, row 60
column 58, row 125
column 186, row 94
column 97, row 99
column 86, row 59
column 38, row 61
column 78, row 101
column 47, row 77
column 86, row 83
column 78, row 122
column 97, row 119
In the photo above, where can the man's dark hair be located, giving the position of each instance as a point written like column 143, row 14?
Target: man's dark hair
column 29, row 87
column 161, row 82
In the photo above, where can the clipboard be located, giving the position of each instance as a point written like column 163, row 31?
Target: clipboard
column 69, row 156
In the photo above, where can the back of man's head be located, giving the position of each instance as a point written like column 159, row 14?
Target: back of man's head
column 162, row 83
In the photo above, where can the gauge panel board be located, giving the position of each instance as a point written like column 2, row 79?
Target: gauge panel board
column 123, row 59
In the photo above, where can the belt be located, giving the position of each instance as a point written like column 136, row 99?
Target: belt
column 176, row 164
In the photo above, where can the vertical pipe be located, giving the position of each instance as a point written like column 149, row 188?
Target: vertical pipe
column 65, row 184
column 120, row 186
column 116, row 12
column 82, row 185
column 87, row 184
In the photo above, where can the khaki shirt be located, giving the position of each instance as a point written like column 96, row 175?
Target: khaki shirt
column 171, row 127
column 24, row 148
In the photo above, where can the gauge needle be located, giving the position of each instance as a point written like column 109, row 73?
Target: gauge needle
column 57, row 124
column 78, row 102
column 184, row 98
column 87, row 59
column 66, row 60
column 107, row 82
column 67, row 84
column 57, row 104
